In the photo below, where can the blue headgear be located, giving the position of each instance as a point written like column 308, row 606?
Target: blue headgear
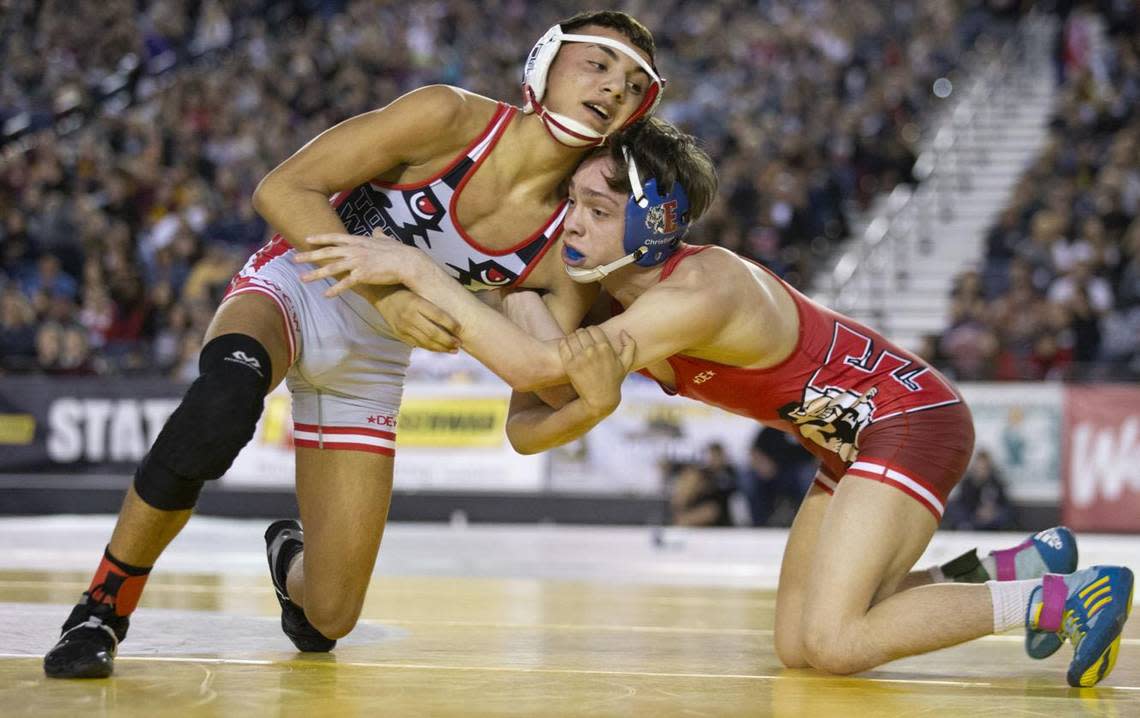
column 655, row 223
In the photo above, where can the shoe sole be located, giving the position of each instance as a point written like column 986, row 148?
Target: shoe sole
column 1039, row 647
column 99, row 669
column 1106, row 661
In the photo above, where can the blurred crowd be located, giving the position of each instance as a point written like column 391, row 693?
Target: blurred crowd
column 131, row 153
column 1057, row 295
column 765, row 490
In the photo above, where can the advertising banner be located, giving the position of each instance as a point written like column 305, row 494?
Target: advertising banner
column 626, row 451
column 449, row 437
column 1020, row 426
column 61, row 425
column 1102, row 458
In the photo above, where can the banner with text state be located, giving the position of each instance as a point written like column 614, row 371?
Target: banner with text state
column 454, row 437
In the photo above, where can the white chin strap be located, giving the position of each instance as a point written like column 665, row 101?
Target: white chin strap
column 567, row 130
column 585, row 276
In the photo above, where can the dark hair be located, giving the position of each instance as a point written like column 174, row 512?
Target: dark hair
column 627, row 25
column 664, row 153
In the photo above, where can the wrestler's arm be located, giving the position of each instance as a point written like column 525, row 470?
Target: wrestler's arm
column 679, row 313
column 545, row 317
column 664, row 321
column 294, row 197
column 559, row 311
column 683, row 312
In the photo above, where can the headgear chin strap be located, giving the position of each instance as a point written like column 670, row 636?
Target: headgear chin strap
column 655, row 224
column 565, row 129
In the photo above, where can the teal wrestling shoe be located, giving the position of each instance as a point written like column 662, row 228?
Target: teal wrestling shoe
column 1050, row 551
column 1053, row 550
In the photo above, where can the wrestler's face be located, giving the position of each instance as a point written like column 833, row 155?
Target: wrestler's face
column 595, row 84
column 595, row 220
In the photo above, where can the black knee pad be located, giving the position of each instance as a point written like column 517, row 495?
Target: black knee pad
column 216, row 418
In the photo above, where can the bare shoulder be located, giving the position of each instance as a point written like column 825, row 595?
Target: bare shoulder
column 715, row 272
column 444, row 113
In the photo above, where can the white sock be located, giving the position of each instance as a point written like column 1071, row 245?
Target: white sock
column 989, row 563
column 936, row 575
column 1010, row 602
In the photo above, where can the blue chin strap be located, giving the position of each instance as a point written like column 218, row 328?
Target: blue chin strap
column 655, row 223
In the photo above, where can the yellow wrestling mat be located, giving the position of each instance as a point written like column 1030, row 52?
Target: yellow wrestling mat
column 210, row 645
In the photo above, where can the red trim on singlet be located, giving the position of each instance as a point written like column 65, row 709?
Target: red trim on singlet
column 502, row 108
column 819, row 482
column 310, row 444
column 273, row 249
column 463, row 183
column 342, row 438
column 244, row 286
column 338, row 199
column 898, row 470
column 538, row 257
column 278, row 245
column 883, row 479
column 317, row 429
column 895, row 483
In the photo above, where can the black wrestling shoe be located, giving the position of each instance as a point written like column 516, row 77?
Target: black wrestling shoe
column 283, row 540
column 88, row 642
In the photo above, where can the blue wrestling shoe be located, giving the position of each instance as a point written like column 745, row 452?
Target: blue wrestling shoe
column 1050, row 551
column 1090, row 608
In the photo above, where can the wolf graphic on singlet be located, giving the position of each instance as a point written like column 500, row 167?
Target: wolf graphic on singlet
column 845, row 392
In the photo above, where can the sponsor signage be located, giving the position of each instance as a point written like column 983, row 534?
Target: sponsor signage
column 1020, row 427
column 1102, row 458
column 75, row 425
column 458, row 421
column 449, row 437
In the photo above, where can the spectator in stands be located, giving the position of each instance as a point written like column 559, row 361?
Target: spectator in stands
column 779, row 474
column 1083, row 328
column 968, row 346
column 719, row 469
column 696, row 499
column 980, row 502
column 810, row 129
column 17, row 331
column 49, row 344
column 50, row 279
column 1061, row 260
column 1049, row 361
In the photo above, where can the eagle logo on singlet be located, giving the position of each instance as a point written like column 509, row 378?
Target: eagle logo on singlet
column 488, row 273
column 853, row 388
column 367, row 209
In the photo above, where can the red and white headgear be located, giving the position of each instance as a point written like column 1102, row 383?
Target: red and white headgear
column 565, row 129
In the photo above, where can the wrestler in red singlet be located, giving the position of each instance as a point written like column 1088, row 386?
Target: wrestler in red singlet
column 859, row 403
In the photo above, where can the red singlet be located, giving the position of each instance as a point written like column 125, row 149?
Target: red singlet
column 859, row 403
